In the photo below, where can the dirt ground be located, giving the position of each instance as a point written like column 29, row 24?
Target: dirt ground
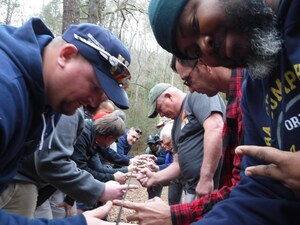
column 137, row 195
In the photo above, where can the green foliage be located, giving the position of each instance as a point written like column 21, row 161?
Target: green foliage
column 52, row 15
column 7, row 10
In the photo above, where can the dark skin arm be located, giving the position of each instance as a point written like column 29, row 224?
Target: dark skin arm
column 283, row 166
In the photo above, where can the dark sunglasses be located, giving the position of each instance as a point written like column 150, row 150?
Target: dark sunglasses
column 139, row 131
column 118, row 70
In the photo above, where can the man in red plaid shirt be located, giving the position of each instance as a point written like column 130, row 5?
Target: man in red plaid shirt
column 229, row 82
column 203, row 79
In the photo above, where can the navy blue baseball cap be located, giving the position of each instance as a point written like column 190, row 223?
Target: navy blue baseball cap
column 108, row 55
column 150, row 139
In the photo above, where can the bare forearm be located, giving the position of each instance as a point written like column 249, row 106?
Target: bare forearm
column 212, row 153
column 168, row 174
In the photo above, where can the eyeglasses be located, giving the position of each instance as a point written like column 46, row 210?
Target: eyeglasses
column 187, row 78
column 118, row 70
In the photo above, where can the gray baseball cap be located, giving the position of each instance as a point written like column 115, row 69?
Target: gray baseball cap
column 154, row 93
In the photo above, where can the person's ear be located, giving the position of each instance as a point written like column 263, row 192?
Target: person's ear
column 67, row 52
column 168, row 95
column 202, row 64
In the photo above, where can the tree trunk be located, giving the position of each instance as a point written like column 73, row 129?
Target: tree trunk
column 93, row 16
column 101, row 10
column 71, row 13
column 10, row 6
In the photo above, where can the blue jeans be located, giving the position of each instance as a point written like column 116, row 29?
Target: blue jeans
column 175, row 192
column 154, row 191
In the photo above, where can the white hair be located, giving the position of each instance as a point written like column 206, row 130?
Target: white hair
column 166, row 130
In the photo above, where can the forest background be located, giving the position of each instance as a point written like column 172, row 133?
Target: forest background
column 128, row 20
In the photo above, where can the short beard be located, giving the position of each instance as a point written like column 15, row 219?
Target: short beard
column 265, row 44
column 264, row 37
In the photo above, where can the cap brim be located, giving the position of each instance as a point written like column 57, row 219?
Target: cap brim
column 160, row 124
column 152, row 113
column 112, row 89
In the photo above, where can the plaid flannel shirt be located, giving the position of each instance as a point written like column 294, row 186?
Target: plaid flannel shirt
column 184, row 214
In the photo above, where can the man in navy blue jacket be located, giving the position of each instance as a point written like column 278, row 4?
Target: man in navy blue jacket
column 42, row 77
column 118, row 158
column 126, row 141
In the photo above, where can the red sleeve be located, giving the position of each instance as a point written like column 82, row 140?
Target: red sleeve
column 185, row 214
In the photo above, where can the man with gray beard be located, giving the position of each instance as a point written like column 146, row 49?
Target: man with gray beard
column 263, row 36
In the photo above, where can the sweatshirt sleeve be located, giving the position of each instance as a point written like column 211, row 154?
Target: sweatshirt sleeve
column 55, row 166
column 84, row 162
column 98, row 166
column 86, row 157
column 14, row 127
column 11, row 219
column 115, row 157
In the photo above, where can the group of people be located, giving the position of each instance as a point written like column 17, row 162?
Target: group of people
column 225, row 33
column 238, row 165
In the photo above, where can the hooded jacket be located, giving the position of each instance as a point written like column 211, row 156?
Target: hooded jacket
column 25, row 118
column 54, row 166
column 86, row 155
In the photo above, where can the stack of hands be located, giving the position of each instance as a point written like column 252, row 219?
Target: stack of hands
column 281, row 166
column 144, row 161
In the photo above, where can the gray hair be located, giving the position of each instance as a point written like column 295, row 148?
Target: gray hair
column 109, row 125
column 166, row 130
column 120, row 114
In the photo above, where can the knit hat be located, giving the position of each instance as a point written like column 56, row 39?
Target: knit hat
column 120, row 114
column 154, row 93
column 164, row 16
column 107, row 54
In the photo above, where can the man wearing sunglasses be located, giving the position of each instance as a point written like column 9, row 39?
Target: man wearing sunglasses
column 43, row 77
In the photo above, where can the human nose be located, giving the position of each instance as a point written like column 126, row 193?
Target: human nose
column 207, row 45
column 161, row 114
